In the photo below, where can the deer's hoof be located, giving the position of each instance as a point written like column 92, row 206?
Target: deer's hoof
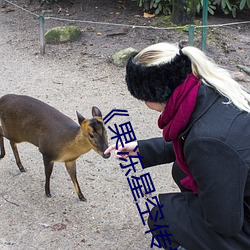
column 82, row 198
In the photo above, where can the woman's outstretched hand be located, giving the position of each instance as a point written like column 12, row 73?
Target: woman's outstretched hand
column 128, row 148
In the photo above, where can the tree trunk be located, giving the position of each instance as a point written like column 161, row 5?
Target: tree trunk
column 183, row 11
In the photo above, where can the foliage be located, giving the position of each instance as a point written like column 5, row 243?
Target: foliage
column 165, row 6
column 226, row 6
column 47, row 1
column 211, row 7
column 244, row 4
column 157, row 6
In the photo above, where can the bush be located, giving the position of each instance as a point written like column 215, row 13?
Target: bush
column 47, row 1
column 227, row 6
column 231, row 6
column 156, row 6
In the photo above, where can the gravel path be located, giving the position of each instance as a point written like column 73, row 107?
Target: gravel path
column 70, row 79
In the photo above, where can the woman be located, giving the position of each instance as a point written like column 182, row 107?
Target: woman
column 205, row 118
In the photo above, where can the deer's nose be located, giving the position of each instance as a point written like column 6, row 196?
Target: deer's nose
column 106, row 156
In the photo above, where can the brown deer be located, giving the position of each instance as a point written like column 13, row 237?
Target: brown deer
column 59, row 138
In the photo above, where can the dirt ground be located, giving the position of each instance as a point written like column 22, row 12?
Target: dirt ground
column 77, row 76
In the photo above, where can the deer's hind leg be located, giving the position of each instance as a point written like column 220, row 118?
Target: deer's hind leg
column 1, row 144
column 71, row 168
column 48, row 164
column 16, row 154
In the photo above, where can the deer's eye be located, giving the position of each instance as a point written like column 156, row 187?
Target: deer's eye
column 91, row 136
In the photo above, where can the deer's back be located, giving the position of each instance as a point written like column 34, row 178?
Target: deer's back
column 24, row 118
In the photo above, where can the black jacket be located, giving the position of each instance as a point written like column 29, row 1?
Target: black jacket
column 216, row 145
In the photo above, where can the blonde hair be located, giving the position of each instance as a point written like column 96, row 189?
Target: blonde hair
column 202, row 67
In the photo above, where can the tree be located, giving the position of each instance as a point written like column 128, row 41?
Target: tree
column 183, row 11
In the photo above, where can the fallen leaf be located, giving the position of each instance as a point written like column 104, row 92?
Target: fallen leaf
column 58, row 227
column 147, row 15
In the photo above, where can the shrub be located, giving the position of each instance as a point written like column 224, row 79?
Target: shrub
column 156, row 6
column 47, row 1
column 165, row 6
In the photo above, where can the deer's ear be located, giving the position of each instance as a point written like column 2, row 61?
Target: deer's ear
column 80, row 118
column 96, row 112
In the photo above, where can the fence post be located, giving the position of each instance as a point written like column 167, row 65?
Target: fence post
column 191, row 35
column 42, row 31
column 204, row 24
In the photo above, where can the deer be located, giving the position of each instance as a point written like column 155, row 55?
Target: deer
column 58, row 138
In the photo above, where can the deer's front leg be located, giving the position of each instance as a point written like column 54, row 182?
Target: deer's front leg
column 71, row 168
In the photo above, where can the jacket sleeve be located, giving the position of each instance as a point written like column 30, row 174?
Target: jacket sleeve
column 156, row 151
column 220, row 173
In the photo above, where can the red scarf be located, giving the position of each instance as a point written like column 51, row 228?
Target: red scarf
column 174, row 119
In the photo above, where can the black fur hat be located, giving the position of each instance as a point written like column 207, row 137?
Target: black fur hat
column 156, row 83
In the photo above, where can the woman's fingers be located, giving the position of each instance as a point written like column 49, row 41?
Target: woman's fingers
column 110, row 148
column 123, row 151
